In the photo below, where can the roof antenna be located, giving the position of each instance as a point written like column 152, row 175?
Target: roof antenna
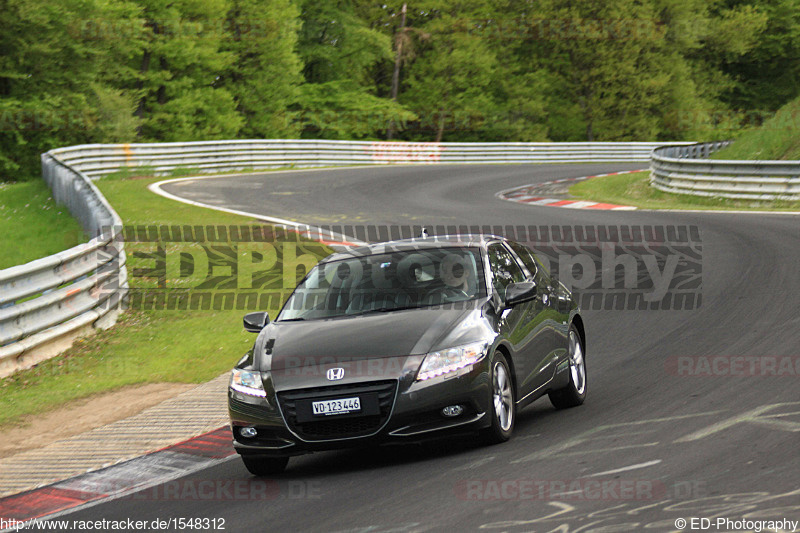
column 423, row 234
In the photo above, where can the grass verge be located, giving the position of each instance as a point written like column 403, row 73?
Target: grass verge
column 777, row 139
column 634, row 189
column 32, row 225
column 155, row 346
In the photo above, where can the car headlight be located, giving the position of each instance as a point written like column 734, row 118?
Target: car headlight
column 247, row 382
column 449, row 360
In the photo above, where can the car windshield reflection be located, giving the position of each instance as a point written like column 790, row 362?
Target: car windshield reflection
column 387, row 282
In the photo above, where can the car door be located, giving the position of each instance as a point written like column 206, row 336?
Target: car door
column 521, row 324
column 545, row 316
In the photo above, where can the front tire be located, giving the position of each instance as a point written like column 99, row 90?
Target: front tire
column 265, row 466
column 575, row 392
column 503, row 402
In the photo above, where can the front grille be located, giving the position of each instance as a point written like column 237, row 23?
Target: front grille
column 332, row 429
column 339, row 427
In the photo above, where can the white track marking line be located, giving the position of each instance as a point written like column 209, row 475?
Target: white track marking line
column 475, row 464
column 156, row 188
column 626, row 468
column 300, row 227
column 559, row 494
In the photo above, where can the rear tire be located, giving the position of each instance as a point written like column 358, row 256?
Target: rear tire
column 503, row 408
column 265, row 466
column 575, row 392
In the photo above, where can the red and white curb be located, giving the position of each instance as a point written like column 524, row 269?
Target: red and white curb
column 119, row 480
column 530, row 195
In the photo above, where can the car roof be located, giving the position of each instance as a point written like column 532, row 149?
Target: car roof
column 469, row 240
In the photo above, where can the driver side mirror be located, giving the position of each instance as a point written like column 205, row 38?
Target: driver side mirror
column 523, row 291
column 255, row 322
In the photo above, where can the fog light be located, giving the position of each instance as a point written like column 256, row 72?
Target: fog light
column 453, row 410
column 248, row 433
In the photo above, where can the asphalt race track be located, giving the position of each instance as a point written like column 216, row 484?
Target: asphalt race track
column 648, row 447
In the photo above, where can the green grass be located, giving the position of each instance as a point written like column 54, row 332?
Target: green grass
column 32, row 225
column 634, row 189
column 153, row 346
column 778, row 138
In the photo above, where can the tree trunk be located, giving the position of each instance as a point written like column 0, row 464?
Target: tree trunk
column 440, row 130
column 140, row 86
column 162, row 90
column 396, row 73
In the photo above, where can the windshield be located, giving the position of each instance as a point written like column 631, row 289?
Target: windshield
column 387, row 282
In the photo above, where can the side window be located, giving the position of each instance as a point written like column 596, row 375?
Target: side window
column 531, row 262
column 526, row 256
column 504, row 268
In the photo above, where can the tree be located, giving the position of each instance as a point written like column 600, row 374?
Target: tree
column 78, row 71
column 767, row 73
column 339, row 50
column 265, row 74
column 54, row 71
column 455, row 81
column 179, row 66
column 632, row 70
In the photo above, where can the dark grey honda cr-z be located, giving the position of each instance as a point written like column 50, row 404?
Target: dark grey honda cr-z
column 403, row 340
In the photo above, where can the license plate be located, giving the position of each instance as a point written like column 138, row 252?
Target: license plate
column 336, row 407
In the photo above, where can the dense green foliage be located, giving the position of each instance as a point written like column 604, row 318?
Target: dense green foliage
column 81, row 71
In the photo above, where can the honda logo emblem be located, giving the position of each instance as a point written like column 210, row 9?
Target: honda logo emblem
column 335, row 373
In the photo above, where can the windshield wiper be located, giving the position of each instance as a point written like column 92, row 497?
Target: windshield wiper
column 385, row 309
column 295, row 319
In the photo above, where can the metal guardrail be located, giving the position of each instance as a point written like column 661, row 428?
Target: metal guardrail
column 45, row 303
column 686, row 170
column 96, row 160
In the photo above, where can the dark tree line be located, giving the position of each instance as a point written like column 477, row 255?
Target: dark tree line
column 83, row 71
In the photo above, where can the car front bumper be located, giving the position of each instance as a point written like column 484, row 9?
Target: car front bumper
column 409, row 411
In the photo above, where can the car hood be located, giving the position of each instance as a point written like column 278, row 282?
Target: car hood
column 374, row 346
column 373, row 335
